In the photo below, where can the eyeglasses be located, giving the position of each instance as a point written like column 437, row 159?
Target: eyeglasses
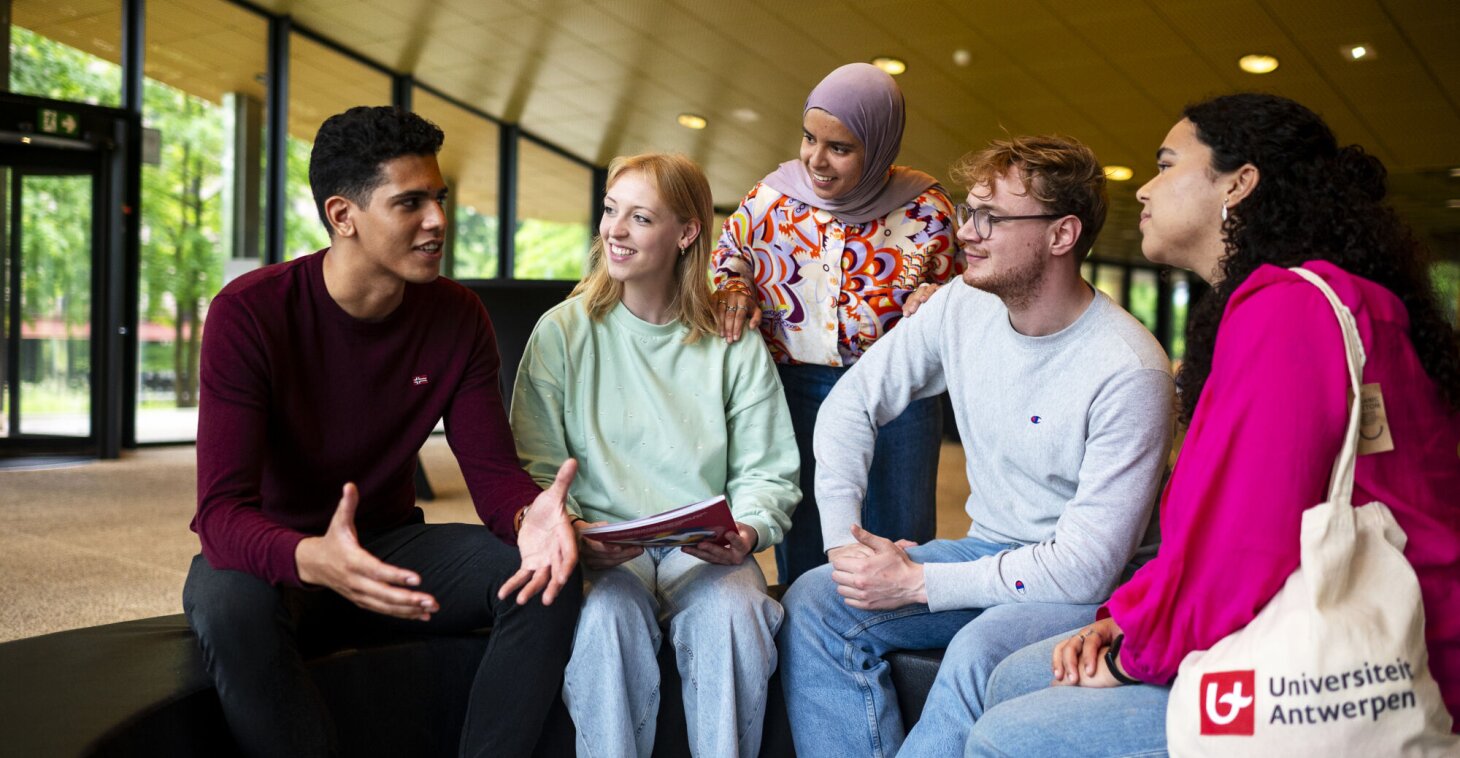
column 984, row 219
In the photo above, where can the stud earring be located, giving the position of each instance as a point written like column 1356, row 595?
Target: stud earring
column 683, row 249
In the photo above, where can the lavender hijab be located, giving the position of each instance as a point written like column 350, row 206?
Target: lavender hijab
column 866, row 100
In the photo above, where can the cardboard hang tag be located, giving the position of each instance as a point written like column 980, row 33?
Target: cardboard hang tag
column 1374, row 434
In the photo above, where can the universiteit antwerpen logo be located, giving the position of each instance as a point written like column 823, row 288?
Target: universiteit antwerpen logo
column 1228, row 702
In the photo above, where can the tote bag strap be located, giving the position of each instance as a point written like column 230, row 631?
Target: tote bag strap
column 1341, row 482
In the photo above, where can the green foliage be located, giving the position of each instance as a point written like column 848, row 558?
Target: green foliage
column 1446, row 278
column 180, row 205
column 56, row 250
column 43, row 67
column 550, row 250
column 303, row 231
column 182, row 255
column 474, row 248
column 1143, row 297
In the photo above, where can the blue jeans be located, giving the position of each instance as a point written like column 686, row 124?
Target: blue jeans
column 902, row 485
column 1025, row 716
column 723, row 627
column 838, row 688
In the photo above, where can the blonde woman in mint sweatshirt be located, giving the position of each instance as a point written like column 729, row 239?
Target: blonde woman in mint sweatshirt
column 627, row 377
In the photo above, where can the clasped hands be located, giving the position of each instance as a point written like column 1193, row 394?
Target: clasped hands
column 336, row 560
column 1080, row 660
column 875, row 573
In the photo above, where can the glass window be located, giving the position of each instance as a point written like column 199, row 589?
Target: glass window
column 201, row 201
column 553, row 207
column 322, row 82
column 1108, row 279
column 1446, row 278
column 1180, row 303
column 67, row 51
column 468, row 161
column 1143, row 296
column 55, row 304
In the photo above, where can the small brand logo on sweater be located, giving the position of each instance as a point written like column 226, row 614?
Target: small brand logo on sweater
column 1228, row 702
column 1019, row 586
column 1035, row 419
column 420, row 380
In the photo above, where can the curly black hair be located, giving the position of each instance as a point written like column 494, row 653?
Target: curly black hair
column 351, row 149
column 1313, row 201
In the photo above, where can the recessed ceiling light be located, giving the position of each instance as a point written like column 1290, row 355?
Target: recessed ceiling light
column 1363, row 52
column 745, row 114
column 889, row 64
column 692, row 121
column 1258, row 64
column 962, row 57
column 1455, row 173
column 1453, row 204
column 1119, row 173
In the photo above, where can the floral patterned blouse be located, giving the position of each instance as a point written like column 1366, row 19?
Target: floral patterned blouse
column 827, row 290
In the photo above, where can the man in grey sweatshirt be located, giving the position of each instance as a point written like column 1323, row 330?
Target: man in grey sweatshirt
column 1064, row 405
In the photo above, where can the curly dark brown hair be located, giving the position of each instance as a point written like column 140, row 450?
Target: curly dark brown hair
column 1313, row 201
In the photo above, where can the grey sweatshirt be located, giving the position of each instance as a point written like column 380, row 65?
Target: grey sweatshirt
column 1066, row 438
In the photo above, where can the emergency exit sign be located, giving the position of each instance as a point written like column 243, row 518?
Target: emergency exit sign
column 59, row 122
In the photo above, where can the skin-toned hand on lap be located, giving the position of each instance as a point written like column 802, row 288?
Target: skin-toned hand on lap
column 336, row 560
column 1080, row 660
column 548, row 543
column 881, row 576
column 600, row 556
column 738, row 544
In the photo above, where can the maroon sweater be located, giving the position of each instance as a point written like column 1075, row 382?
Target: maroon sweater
column 298, row 397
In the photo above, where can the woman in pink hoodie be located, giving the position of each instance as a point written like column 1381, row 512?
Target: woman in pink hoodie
column 1248, row 185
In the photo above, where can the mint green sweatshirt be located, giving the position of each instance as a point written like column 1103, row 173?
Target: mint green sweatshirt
column 655, row 423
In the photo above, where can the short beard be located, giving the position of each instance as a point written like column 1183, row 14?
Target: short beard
column 1015, row 287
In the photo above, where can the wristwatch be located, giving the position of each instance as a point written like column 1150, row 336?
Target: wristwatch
column 1112, row 662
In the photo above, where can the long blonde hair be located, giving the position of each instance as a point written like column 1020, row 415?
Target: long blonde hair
column 686, row 192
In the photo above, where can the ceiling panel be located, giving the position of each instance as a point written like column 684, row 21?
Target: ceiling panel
column 604, row 77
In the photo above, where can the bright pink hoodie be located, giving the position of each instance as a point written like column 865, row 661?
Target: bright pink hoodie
column 1259, row 451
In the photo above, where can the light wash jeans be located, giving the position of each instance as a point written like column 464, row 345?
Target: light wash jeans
column 838, row 688
column 902, row 484
column 723, row 627
column 1027, row 717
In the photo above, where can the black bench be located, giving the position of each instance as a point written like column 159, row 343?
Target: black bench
column 138, row 688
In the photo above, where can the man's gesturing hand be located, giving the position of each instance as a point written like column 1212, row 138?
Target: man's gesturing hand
column 337, row 561
column 880, row 576
column 548, row 544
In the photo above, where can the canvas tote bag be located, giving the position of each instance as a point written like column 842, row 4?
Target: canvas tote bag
column 1335, row 664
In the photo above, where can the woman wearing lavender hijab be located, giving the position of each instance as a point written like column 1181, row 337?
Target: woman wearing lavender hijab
column 820, row 256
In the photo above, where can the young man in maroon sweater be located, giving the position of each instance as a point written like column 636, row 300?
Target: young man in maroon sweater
column 321, row 378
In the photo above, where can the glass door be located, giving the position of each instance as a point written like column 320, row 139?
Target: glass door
column 47, row 255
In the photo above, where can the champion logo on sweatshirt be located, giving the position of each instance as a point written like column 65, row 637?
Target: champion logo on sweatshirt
column 1035, row 419
column 420, row 380
column 1019, row 586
